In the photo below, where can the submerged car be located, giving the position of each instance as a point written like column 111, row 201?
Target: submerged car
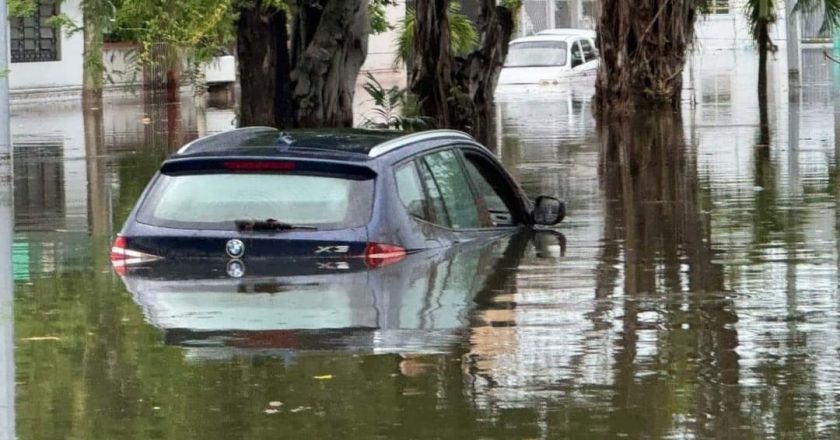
column 552, row 57
column 218, row 309
column 341, row 197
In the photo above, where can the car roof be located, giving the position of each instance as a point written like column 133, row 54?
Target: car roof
column 569, row 32
column 557, row 35
column 350, row 144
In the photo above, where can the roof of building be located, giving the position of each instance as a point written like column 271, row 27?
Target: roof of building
column 267, row 141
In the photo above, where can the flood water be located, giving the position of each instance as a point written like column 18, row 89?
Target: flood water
column 693, row 292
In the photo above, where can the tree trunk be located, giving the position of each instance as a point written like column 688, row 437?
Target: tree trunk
column 93, row 77
column 643, row 46
column 458, row 93
column 263, row 66
column 764, row 46
column 431, row 79
column 329, row 46
column 173, row 84
column 479, row 72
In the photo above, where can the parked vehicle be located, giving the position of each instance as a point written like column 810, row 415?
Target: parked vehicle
column 552, row 57
column 372, row 196
column 221, row 70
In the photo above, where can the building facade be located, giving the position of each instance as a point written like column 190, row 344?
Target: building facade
column 722, row 26
column 45, row 59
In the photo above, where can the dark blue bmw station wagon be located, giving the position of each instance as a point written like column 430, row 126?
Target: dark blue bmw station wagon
column 359, row 198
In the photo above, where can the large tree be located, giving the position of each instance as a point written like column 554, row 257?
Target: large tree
column 311, row 85
column 457, row 91
column 299, row 59
column 643, row 45
column 264, row 71
column 329, row 46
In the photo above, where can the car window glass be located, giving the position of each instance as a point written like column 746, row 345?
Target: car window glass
column 588, row 51
column 577, row 56
column 217, row 201
column 435, row 200
column 454, row 188
column 410, row 191
column 500, row 213
column 536, row 53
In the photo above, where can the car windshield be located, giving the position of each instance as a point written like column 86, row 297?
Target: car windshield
column 537, row 54
column 217, row 201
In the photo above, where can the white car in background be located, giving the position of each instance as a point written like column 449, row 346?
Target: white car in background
column 221, row 70
column 554, row 57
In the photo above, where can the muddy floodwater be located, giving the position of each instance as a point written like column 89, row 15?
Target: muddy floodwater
column 692, row 292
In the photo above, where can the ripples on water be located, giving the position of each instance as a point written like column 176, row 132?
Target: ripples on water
column 694, row 294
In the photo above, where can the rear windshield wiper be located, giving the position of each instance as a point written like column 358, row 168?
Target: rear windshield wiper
column 269, row 225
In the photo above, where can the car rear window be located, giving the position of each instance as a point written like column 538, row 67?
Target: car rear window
column 536, row 54
column 217, row 200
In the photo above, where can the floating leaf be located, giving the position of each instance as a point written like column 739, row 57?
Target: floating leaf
column 42, row 338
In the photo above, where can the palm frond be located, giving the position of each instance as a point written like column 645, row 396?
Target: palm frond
column 462, row 33
column 759, row 11
column 831, row 11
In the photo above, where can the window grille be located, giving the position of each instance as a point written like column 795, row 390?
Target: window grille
column 718, row 6
column 32, row 38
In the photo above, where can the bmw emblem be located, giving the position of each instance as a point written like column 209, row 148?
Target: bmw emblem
column 235, row 248
column 235, row 269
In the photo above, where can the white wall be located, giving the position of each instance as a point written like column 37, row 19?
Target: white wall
column 66, row 73
column 382, row 47
column 382, row 52
column 730, row 31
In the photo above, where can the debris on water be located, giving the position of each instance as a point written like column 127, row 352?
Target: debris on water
column 412, row 392
column 271, row 411
column 41, row 338
column 324, row 377
column 156, row 408
column 275, row 404
column 300, row 408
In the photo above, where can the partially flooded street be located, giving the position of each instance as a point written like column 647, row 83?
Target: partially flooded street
column 692, row 291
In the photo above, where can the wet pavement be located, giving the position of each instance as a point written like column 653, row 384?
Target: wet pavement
column 693, row 292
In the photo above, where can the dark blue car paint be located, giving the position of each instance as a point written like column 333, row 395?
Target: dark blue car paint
column 390, row 223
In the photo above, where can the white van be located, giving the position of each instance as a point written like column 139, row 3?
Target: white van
column 552, row 57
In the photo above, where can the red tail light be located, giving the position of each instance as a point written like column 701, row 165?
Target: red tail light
column 379, row 255
column 122, row 256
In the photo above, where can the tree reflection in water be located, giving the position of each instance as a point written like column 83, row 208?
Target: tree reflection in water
column 672, row 290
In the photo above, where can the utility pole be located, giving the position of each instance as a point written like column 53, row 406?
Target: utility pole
column 7, row 360
column 794, row 37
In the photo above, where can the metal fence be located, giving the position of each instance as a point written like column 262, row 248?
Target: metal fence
column 539, row 15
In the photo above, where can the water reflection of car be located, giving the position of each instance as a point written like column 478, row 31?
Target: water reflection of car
column 276, row 307
column 329, row 196
column 553, row 57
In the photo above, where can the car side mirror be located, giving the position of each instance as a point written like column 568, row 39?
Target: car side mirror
column 548, row 211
